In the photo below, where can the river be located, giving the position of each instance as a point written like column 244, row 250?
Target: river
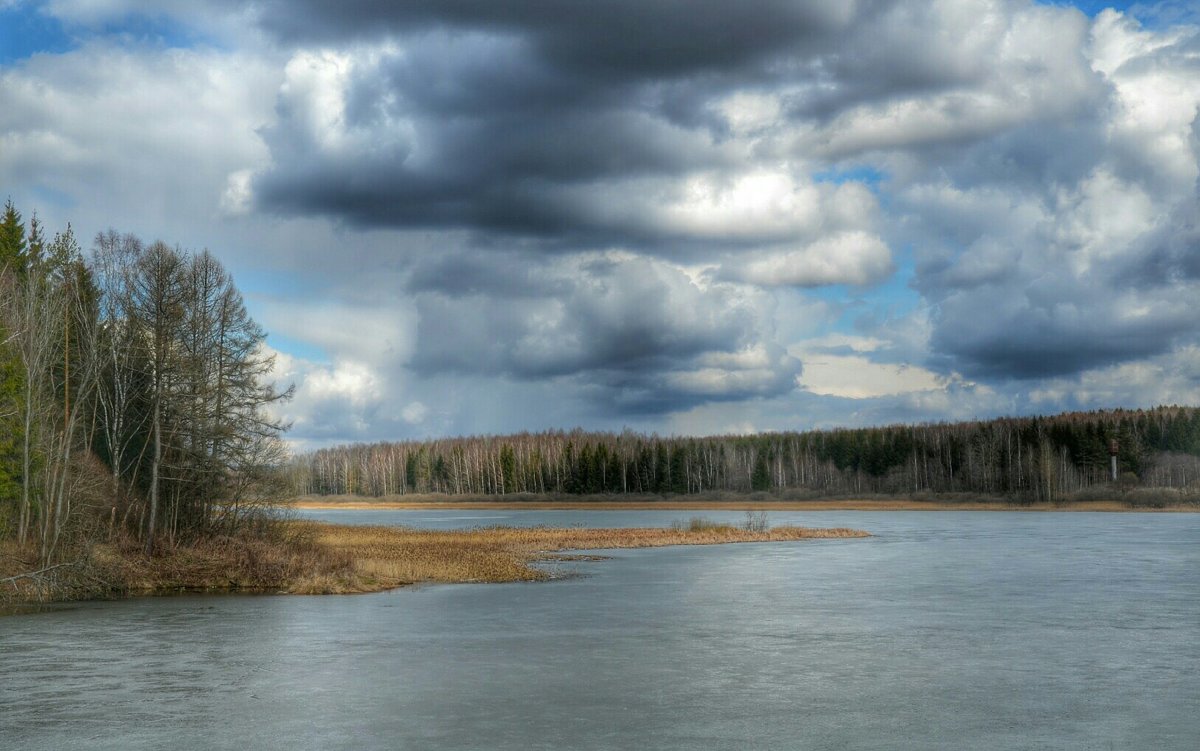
column 948, row 630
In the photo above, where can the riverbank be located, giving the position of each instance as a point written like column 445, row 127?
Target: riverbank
column 319, row 558
column 606, row 503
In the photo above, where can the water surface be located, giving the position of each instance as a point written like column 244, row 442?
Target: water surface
column 945, row 631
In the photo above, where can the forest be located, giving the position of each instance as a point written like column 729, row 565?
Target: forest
column 1022, row 459
column 133, row 396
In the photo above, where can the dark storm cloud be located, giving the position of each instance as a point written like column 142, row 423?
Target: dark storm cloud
column 637, row 393
column 438, row 137
column 1037, row 331
column 543, row 119
column 522, row 118
column 626, row 333
column 498, row 275
column 604, row 39
column 617, row 315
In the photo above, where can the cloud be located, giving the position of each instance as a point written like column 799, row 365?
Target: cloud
column 383, row 335
column 333, row 403
column 844, row 366
column 634, row 332
column 539, row 123
column 604, row 38
column 374, row 136
column 846, row 258
column 923, row 76
column 105, row 129
column 1041, row 166
column 1034, row 277
column 1173, row 378
column 468, row 216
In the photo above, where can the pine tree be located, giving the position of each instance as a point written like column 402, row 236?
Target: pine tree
column 12, row 240
column 35, row 244
column 12, row 268
column 761, row 477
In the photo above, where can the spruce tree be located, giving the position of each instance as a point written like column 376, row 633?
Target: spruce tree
column 12, row 240
column 12, row 267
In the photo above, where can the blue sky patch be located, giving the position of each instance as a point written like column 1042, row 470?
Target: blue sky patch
column 1093, row 7
column 297, row 348
column 25, row 32
column 154, row 29
column 869, row 176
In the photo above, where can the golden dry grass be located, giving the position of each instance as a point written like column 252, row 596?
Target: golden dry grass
column 385, row 557
column 318, row 558
column 241, row 563
column 120, row 567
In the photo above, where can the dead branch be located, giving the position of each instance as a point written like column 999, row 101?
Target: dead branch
column 37, row 575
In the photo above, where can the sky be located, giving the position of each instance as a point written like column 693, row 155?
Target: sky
column 476, row 217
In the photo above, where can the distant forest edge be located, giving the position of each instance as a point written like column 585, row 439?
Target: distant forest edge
column 1023, row 459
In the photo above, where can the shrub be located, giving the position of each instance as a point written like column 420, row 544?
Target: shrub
column 756, row 521
column 696, row 524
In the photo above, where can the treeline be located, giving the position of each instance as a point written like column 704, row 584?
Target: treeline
column 1027, row 459
column 132, row 392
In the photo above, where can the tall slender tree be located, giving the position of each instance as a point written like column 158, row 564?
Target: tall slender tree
column 156, row 313
column 120, row 415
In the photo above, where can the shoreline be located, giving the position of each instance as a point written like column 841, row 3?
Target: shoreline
column 313, row 557
column 1107, row 506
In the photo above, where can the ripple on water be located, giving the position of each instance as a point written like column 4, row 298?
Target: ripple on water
column 946, row 630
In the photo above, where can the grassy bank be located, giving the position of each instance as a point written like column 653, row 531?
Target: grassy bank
column 115, row 568
column 315, row 558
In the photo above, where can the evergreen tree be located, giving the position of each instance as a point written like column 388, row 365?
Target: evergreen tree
column 678, row 482
column 12, row 377
column 760, row 479
column 11, row 387
column 508, row 469
column 35, row 248
column 12, row 240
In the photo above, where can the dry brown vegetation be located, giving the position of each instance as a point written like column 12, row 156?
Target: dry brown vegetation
column 392, row 556
column 317, row 558
column 246, row 562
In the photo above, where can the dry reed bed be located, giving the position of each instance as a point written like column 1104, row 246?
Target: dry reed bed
column 316, row 558
column 226, row 564
column 385, row 557
column 119, row 567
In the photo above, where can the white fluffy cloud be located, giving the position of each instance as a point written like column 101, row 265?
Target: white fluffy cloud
column 844, row 258
column 108, row 134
